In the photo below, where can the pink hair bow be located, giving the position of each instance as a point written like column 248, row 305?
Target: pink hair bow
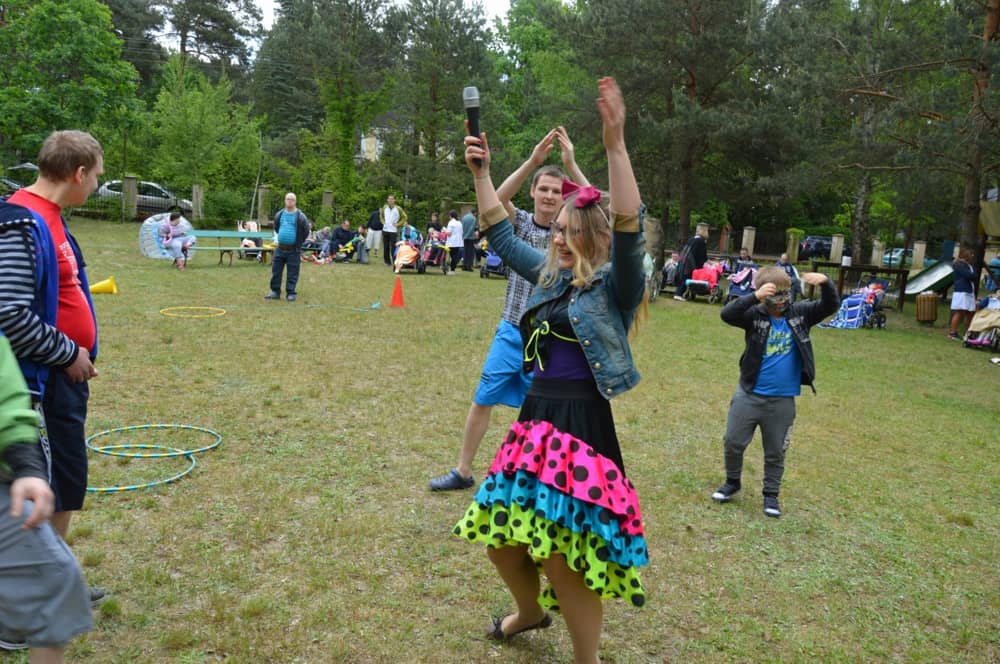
column 586, row 196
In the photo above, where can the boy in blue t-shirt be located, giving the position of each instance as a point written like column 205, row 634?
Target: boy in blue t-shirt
column 777, row 360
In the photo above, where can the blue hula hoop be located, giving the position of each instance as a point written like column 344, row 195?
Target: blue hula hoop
column 165, row 452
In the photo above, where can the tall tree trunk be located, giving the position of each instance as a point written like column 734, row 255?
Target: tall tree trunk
column 685, row 192
column 982, row 123
column 859, row 216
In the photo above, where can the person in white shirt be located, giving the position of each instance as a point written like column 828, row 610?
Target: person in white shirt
column 391, row 216
column 455, row 240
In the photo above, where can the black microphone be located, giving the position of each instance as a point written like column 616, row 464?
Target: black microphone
column 470, row 96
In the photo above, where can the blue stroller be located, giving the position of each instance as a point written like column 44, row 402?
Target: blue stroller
column 742, row 283
column 492, row 264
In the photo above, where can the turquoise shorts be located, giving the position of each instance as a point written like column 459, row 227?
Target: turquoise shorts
column 503, row 381
column 43, row 598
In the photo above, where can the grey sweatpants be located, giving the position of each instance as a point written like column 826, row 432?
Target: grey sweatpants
column 774, row 416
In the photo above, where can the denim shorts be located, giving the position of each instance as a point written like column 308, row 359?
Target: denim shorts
column 43, row 598
column 503, row 382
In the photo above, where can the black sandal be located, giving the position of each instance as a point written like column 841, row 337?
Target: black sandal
column 497, row 634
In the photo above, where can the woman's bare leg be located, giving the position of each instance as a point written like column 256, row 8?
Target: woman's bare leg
column 518, row 571
column 581, row 607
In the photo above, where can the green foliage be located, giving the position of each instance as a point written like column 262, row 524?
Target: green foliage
column 226, row 206
column 202, row 136
column 61, row 68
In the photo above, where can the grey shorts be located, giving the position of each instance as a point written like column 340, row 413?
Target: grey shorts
column 43, row 598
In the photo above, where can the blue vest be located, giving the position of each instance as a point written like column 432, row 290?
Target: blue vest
column 46, row 301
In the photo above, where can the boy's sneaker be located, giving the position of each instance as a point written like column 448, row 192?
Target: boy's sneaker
column 97, row 595
column 771, row 507
column 953, row 336
column 10, row 644
column 726, row 492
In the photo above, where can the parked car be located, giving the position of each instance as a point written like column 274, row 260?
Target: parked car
column 818, row 245
column 892, row 258
column 151, row 197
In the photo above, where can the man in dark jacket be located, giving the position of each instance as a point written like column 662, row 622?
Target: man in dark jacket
column 292, row 228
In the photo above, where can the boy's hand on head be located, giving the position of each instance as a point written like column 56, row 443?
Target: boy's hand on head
column 38, row 492
column 813, row 278
column 766, row 290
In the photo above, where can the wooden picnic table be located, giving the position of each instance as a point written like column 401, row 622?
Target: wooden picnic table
column 221, row 237
column 853, row 273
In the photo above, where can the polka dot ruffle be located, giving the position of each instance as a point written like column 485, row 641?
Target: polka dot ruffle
column 569, row 464
column 588, row 553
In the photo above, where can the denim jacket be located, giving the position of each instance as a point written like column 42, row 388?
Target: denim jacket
column 600, row 314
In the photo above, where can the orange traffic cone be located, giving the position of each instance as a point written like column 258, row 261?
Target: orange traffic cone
column 397, row 295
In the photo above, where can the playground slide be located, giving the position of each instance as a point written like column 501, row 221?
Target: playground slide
column 934, row 278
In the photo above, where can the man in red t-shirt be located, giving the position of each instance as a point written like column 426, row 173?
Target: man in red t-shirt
column 69, row 165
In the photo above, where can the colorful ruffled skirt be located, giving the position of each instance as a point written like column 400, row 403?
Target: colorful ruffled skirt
column 557, row 484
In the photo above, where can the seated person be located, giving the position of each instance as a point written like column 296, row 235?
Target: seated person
column 407, row 233
column 175, row 238
column 406, row 254
column 342, row 241
column 438, row 248
column 360, row 242
column 744, row 261
column 792, row 273
column 320, row 242
column 669, row 277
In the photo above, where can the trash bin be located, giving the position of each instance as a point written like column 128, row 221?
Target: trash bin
column 927, row 306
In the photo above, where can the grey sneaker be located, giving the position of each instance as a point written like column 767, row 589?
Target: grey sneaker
column 291, row 297
column 726, row 492
column 97, row 595
column 451, row 482
column 10, row 644
column 272, row 296
column 771, row 507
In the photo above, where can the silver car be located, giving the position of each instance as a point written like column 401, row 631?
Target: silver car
column 151, row 199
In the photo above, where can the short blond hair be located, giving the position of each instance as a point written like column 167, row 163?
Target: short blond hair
column 772, row 274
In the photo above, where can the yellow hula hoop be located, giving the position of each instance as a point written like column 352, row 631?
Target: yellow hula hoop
column 193, row 312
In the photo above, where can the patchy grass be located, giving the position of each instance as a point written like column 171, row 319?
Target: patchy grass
column 309, row 535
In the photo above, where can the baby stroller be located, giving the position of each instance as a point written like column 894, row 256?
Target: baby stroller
column 436, row 254
column 876, row 297
column 492, row 264
column 704, row 281
column 742, row 283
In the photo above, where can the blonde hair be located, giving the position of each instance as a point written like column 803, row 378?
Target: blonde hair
column 591, row 245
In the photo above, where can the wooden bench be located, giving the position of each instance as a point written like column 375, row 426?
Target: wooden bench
column 221, row 242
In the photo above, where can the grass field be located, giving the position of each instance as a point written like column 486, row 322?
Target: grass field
column 310, row 535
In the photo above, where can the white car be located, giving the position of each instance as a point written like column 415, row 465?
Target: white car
column 151, row 199
column 892, row 258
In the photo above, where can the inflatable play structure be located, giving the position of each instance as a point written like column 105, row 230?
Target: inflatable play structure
column 150, row 242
